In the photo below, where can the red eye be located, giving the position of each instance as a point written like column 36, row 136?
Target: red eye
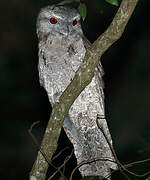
column 74, row 22
column 53, row 20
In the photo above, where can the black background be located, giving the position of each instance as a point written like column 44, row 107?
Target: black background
column 23, row 101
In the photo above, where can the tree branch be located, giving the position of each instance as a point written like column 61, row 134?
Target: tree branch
column 82, row 78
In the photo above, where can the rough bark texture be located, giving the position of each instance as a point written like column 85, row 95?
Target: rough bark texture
column 82, row 78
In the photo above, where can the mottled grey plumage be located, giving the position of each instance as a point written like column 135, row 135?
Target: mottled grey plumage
column 62, row 47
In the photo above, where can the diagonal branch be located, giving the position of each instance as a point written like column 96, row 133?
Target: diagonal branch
column 82, row 78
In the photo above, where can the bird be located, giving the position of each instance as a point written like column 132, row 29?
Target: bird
column 62, row 47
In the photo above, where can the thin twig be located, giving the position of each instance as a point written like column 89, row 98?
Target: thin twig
column 66, row 160
column 57, row 155
column 122, row 167
column 137, row 162
column 30, row 133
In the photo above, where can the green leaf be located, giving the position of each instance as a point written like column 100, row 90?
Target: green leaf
column 82, row 10
column 65, row 2
column 113, row 2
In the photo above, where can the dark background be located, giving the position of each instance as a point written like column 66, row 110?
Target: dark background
column 23, row 101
